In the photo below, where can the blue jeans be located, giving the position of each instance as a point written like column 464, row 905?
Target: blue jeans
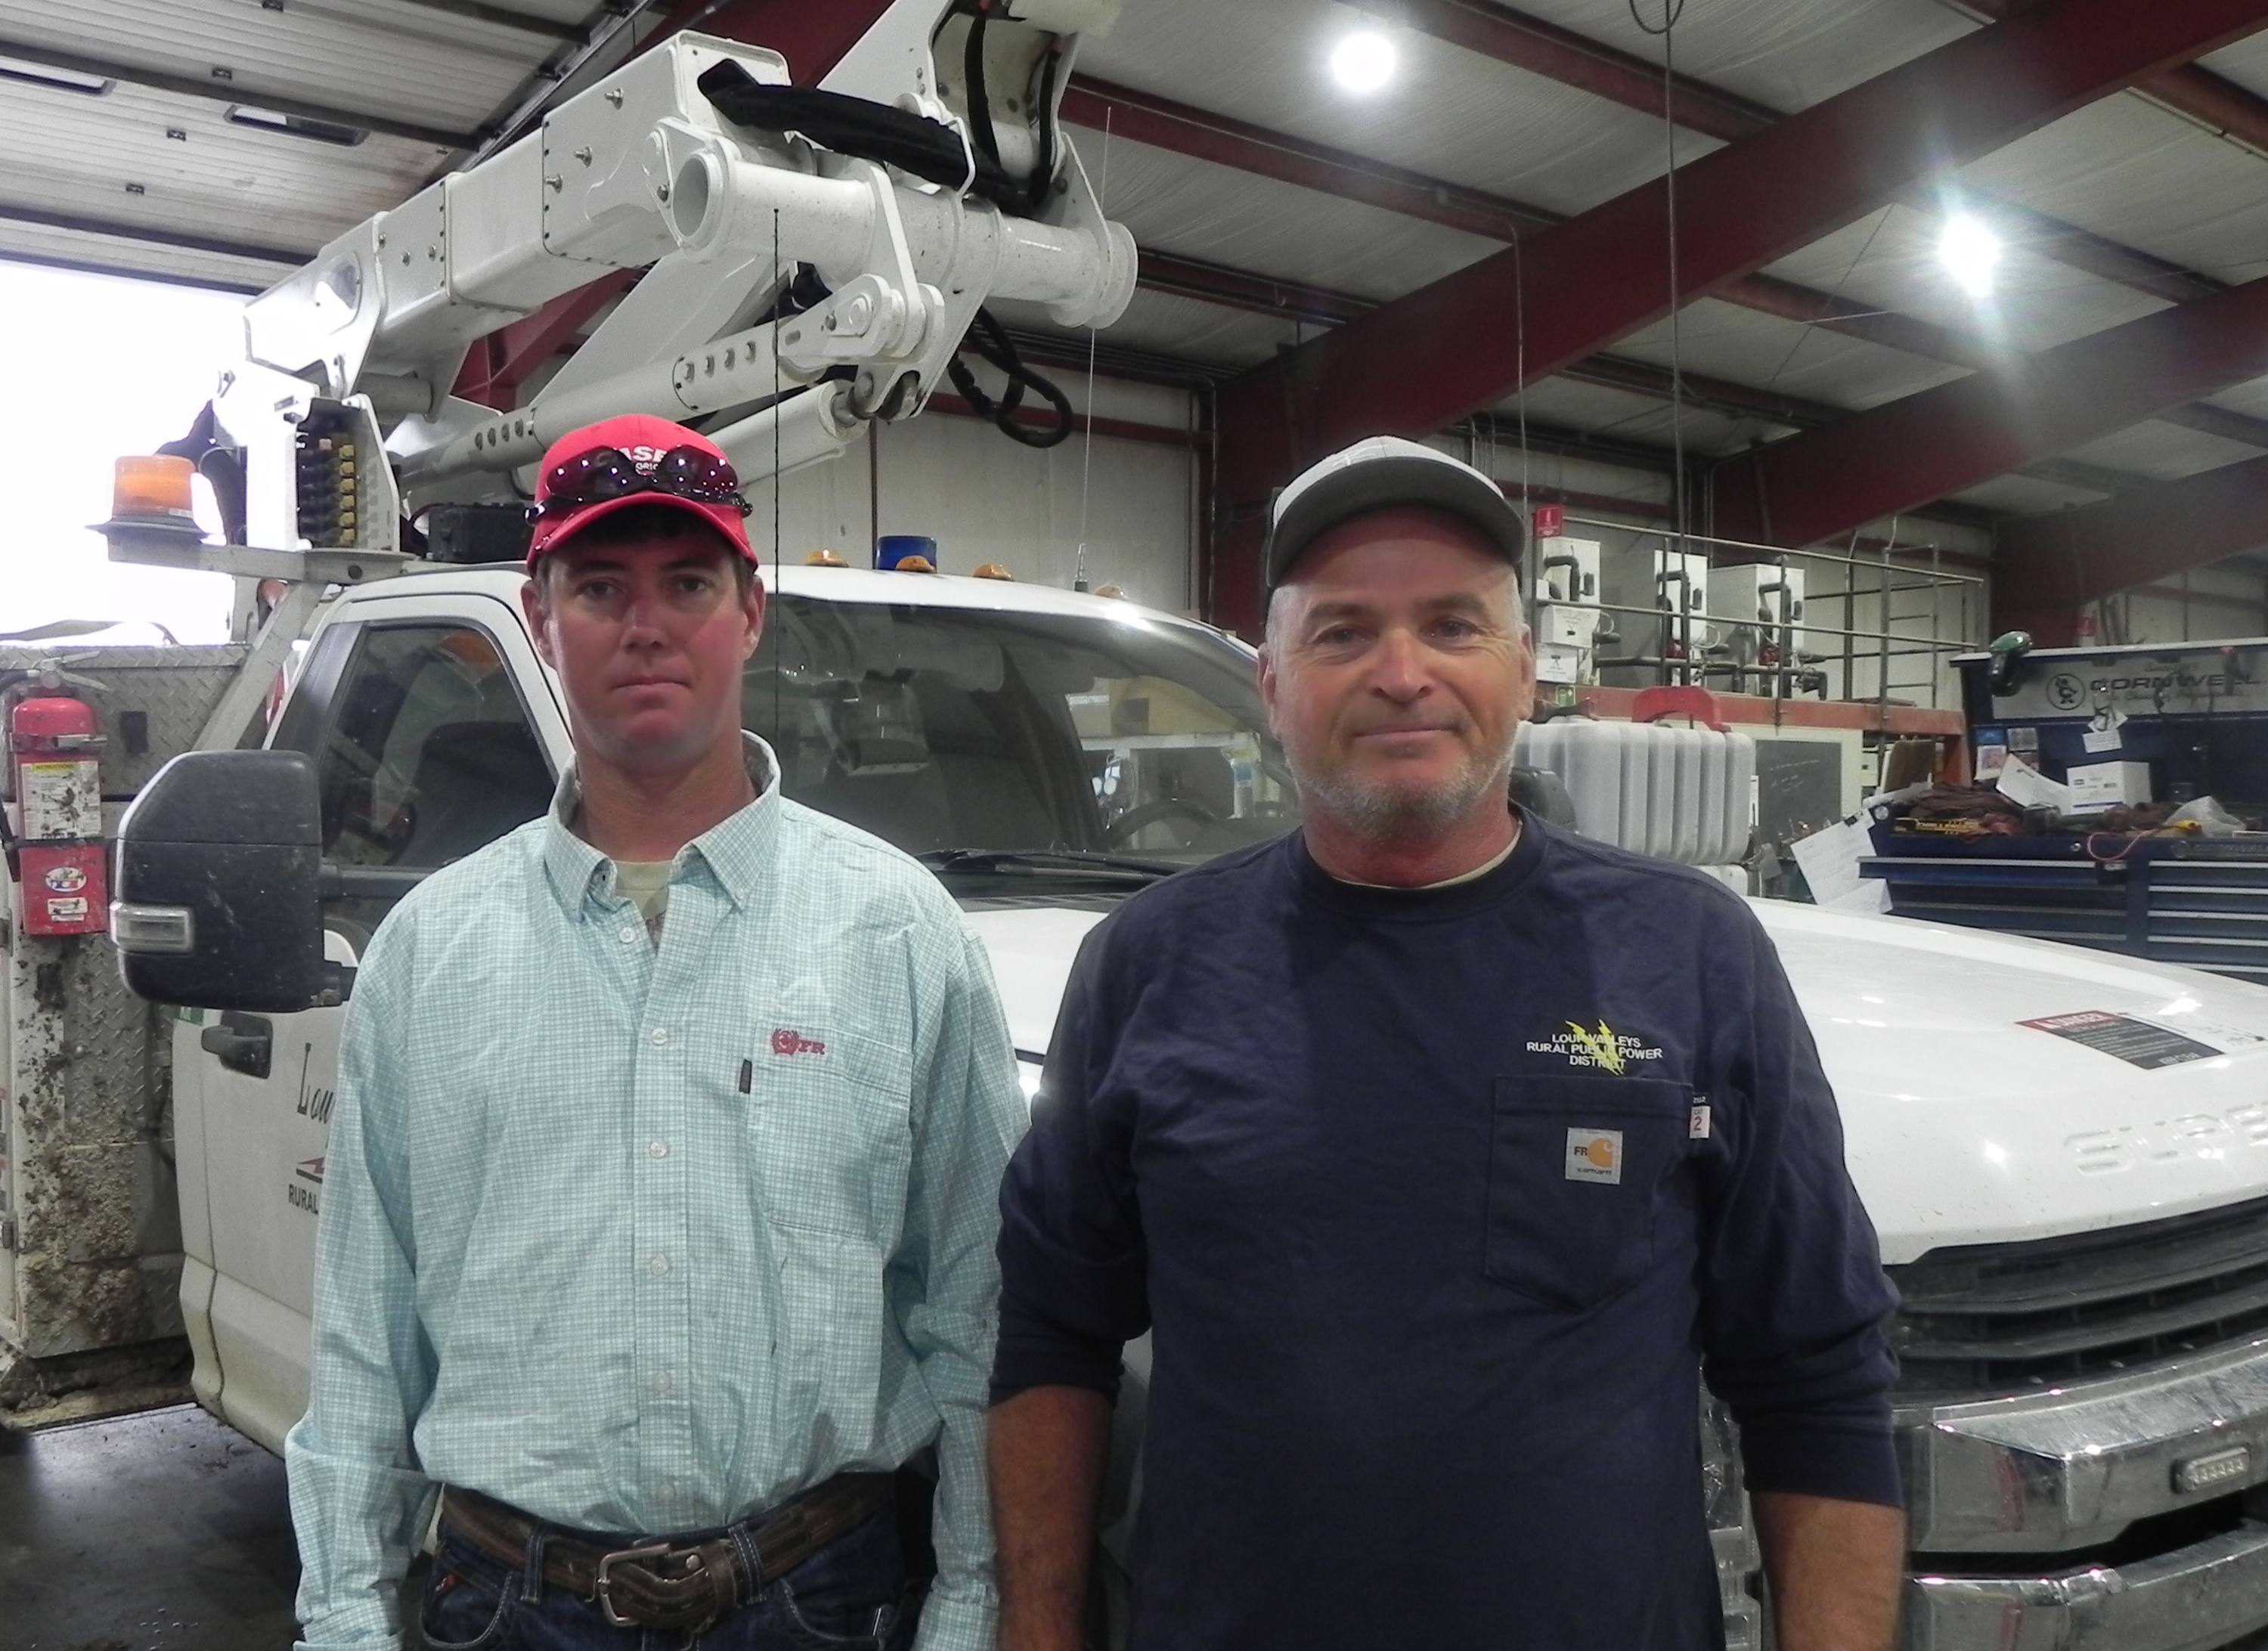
column 850, row 1596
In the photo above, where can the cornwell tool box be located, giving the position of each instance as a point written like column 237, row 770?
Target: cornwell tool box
column 2121, row 729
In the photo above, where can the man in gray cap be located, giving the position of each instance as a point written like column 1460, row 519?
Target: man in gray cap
column 1441, row 1153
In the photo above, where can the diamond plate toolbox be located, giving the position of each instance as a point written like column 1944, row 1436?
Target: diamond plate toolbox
column 151, row 703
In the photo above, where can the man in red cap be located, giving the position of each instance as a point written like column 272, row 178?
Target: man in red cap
column 658, row 1217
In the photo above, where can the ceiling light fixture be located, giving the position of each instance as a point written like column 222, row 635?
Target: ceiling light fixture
column 296, row 125
column 61, row 79
column 1970, row 252
column 1363, row 62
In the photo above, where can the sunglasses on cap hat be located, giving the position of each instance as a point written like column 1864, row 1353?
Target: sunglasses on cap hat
column 599, row 473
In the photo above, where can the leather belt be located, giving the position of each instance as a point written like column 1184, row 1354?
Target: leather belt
column 680, row 1582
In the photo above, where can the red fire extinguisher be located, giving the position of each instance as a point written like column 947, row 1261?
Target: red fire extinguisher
column 54, row 744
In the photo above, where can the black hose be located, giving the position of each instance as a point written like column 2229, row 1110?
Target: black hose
column 980, row 108
column 972, row 69
column 929, row 150
column 988, row 339
column 1043, row 165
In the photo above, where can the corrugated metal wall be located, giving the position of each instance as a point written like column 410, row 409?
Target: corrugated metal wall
column 986, row 498
column 2226, row 599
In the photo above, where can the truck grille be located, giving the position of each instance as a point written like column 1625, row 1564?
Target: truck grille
column 2002, row 1317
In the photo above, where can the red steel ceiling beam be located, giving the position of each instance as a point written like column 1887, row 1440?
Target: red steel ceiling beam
column 1225, row 141
column 1513, row 37
column 1235, row 288
column 1823, row 483
column 1243, row 147
column 2049, row 565
column 2209, row 99
column 1575, row 59
column 1509, row 36
column 1438, row 354
column 1265, row 295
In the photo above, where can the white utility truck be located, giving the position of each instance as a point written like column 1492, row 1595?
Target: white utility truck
column 2066, row 1154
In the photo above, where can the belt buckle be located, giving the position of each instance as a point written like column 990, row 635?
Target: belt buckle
column 603, row 1590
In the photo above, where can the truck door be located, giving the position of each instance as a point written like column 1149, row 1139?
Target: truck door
column 425, row 749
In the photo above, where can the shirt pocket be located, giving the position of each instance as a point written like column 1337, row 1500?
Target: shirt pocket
column 1578, row 1173
column 829, row 1118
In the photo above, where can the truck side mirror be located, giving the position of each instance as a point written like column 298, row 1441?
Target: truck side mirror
column 216, row 890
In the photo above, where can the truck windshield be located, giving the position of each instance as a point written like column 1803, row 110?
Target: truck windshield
column 946, row 729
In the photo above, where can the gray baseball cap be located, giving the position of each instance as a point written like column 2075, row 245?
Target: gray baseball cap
column 1377, row 473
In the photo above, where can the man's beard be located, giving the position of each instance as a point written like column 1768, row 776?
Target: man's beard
column 1383, row 811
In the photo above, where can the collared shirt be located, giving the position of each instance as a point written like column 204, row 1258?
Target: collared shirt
column 646, row 1238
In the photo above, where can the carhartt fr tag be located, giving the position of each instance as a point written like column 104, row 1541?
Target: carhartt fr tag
column 1595, row 1155
column 1698, row 1129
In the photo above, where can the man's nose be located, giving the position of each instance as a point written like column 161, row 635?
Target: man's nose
column 1400, row 671
column 642, row 621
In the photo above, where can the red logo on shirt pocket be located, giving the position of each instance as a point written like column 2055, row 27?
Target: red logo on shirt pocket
column 785, row 1041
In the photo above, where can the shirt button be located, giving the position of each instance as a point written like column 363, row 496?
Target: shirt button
column 659, row 1265
column 628, row 935
column 661, row 1382
column 657, row 1149
column 660, row 1035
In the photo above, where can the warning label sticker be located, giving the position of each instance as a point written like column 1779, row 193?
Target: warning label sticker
column 2137, row 1043
column 61, row 800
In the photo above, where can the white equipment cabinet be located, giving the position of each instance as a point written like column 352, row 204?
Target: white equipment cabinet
column 1568, row 622
column 1761, row 607
column 1681, row 590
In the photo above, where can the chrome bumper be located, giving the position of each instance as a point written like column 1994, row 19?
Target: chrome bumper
column 2066, row 1468
column 2209, row 1593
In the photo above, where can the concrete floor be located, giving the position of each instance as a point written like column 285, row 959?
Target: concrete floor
column 164, row 1531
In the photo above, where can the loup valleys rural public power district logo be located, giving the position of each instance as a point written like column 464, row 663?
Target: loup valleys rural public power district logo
column 1606, row 1049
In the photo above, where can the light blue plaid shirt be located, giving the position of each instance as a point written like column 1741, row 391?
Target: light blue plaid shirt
column 646, row 1238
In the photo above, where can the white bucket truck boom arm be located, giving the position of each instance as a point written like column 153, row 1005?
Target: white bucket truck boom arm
column 812, row 257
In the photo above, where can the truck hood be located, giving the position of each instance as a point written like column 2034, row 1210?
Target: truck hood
column 1963, row 1125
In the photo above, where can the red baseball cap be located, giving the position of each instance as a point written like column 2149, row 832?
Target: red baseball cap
column 644, row 441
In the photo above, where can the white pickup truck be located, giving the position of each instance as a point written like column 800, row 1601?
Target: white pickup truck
column 2065, row 1153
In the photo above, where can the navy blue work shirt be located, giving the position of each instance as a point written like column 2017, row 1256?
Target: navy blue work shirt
column 1438, row 1203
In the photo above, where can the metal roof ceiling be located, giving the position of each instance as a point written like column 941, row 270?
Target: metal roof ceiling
column 151, row 174
column 233, row 137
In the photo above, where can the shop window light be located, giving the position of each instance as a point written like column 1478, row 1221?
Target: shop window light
column 54, row 79
column 295, row 125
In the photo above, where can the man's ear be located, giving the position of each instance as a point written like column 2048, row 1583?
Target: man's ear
column 539, row 621
column 1263, row 677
